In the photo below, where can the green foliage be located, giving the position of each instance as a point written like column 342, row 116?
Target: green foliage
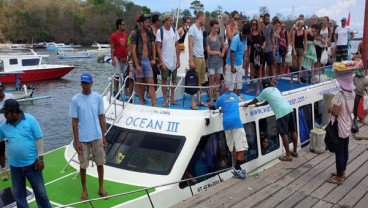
column 196, row 5
column 146, row 10
column 186, row 13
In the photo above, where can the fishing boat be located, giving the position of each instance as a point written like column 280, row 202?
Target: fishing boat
column 56, row 46
column 70, row 53
column 30, row 66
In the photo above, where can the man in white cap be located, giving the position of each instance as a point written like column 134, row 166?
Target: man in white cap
column 343, row 35
column 88, row 122
column 168, row 52
column 236, row 139
column 342, row 110
column 3, row 97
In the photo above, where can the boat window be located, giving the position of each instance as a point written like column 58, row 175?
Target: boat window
column 318, row 108
column 142, row 151
column 268, row 135
column 305, row 122
column 250, row 131
column 30, row 62
column 13, row 61
column 211, row 155
column 1, row 65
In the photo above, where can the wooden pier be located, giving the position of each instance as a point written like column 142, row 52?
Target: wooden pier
column 300, row 183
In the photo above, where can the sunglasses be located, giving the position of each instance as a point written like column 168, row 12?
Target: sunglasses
column 254, row 23
column 188, row 22
column 236, row 18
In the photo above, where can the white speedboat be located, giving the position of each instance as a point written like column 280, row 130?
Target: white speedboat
column 30, row 66
column 102, row 49
column 70, row 53
column 157, row 157
column 56, row 46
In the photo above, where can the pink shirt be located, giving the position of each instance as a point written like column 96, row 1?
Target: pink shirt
column 345, row 117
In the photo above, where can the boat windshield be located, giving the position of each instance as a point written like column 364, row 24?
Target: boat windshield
column 142, row 151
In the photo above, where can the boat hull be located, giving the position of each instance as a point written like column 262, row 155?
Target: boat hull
column 36, row 74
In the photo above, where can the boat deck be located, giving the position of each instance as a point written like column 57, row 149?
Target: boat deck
column 282, row 85
column 300, row 183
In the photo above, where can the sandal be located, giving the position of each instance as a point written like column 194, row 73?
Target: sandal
column 294, row 154
column 334, row 180
column 194, row 107
column 335, row 174
column 286, row 158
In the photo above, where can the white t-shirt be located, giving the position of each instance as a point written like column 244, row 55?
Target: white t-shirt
column 7, row 96
column 168, row 48
column 342, row 35
column 197, row 34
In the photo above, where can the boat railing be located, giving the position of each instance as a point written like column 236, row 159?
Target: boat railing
column 189, row 183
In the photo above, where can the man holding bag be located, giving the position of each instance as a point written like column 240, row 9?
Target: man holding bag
column 342, row 109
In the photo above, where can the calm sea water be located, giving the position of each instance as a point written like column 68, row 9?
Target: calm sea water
column 52, row 113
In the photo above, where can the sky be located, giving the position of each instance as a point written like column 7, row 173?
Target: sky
column 335, row 9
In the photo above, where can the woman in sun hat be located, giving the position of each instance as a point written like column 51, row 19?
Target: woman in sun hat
column 342, row 110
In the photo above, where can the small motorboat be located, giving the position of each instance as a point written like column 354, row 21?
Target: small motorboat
column 70, row 53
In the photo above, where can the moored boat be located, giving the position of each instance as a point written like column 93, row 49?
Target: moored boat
column 30, row 66
column 69, row 53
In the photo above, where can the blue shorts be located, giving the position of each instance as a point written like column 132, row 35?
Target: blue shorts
column 146, row 69
column 268, row 58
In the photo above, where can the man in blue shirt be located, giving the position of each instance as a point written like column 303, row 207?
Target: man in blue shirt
column 235, row 60
column 88, row 122
column 25, row 153
column 234, row 132
column 285, row 118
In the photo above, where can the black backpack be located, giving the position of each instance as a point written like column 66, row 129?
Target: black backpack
column 191, row 79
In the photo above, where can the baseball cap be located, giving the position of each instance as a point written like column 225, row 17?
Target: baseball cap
column 166, row 16
column 343, row 19
column 266, row 83
column 86, row 77
column 10, row 104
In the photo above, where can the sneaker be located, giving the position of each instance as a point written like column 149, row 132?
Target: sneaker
column 4, row 175
column 294, row 154
column 240, row 98
column 239, row 173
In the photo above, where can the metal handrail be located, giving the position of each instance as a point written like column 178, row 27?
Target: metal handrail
column 153, row 187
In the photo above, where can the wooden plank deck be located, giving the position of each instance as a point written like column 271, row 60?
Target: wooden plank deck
column 300, row 183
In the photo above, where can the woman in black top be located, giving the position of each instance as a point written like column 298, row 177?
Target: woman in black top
column 255, row 46
column 184, row 29
column 299, row 40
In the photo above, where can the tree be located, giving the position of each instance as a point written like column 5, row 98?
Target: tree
column 196, row 6
column 146, row 10
column 186, row 13
column 263, row 10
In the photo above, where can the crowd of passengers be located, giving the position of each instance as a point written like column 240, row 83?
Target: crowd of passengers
column 152, row 49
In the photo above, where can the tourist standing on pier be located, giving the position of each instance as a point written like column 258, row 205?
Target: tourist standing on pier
column 234, row 132
column 144, row 57
column 196, row 54
column 323, row 39
column 342, row 110
column 168, row 53
column 3, row 97
column 88, row 123
column 361, row 83
column 119, row 53
column 285, row 116
column 25, row 153
column 182, row 31
column 343, row 35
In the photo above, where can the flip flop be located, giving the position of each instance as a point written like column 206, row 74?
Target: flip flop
column 334, row 181
column 174, row 103
column 104, row 194
column 194, row 107
column 84, row 198
column 335, row 174
column 202, row 104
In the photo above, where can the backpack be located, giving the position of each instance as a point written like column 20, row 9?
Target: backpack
column 191, row 79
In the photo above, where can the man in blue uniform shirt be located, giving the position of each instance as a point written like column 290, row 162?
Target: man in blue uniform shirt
column 234, row 132
column 88, row 122
column 25, row 153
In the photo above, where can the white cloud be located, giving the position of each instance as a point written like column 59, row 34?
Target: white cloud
column 337, row 9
